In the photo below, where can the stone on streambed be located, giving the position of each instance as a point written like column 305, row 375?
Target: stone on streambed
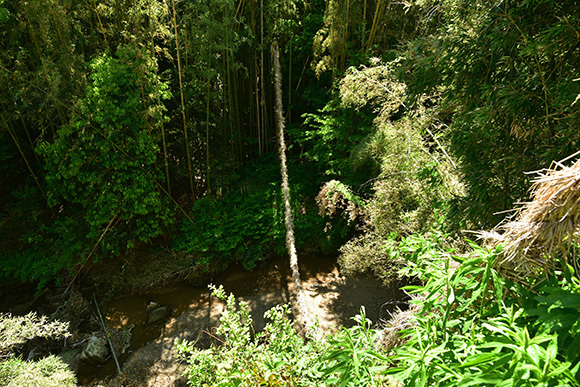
column 71, row 357
column 157, row 313
column 96, row 350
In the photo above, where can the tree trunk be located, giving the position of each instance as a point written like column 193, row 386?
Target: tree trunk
column 306, row 316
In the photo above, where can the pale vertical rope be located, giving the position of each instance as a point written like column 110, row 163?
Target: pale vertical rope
column 306, row 316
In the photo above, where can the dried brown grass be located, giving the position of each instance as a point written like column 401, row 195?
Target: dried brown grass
column 544, row 227
column 400, row 320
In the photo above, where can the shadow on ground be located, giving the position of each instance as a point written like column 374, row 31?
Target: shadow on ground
column 153, row 361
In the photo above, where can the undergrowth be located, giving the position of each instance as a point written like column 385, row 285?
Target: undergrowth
column 279, row 356
column 472, row 328
column 15, row 332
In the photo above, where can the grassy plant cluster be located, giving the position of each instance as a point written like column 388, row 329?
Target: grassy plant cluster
column 279, row 356
column 17, row 330
column 365, row 254
column 49, row 371
column 475, row 328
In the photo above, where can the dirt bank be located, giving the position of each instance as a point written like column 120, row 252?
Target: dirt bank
column 152, row 359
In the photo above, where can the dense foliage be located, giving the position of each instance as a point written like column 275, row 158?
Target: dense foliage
column 150, row 122
column 505, row 72
column 279, row 356
column 472, row 327
column 117, row 118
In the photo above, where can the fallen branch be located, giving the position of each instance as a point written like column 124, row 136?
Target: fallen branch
column 107, row 335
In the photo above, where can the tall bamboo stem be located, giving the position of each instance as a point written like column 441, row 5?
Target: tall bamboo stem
column 25, row 127
column 290, row 84
column 258, row 115
column 23, row 155
column 262, row 89
column 345, row 49
column 207, row 138
column 183, row 105
column 374, row 25
column 163, row 140
column 364, row 26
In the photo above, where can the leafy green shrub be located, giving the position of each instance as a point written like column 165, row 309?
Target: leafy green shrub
column 104, row 161
column 247, row 228
column 471, row 329
column 246, row 223
column 352, row 359
column 330, row 137
column 50, row 249
column 50, row 371
column 47, row 372
column 17, row 330
column 100, row 172
column 279, row 356
column 555, row 309
column 276, row 357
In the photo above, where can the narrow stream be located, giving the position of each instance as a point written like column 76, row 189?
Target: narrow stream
column 333, row 298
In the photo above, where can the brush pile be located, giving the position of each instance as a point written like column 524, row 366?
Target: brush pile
column 543, row 228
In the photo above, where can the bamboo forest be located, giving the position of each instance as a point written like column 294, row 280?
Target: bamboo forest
column 290, row 193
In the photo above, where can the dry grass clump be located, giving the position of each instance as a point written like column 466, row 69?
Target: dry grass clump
column 544, row 227
column 400, row 320
column 335, row 199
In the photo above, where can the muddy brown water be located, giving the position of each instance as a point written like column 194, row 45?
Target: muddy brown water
column 333, row 298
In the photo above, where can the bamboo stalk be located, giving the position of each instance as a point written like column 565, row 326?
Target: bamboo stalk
column 25, row 127
column 303, row 71
column 163, row 140
column 345, row 49
column 262, row 95
column 107, row 335
column 364, row 27
column 236, row 111
column 23, row 156
column 258, row 115
column 207, row 138
column 240, row 7
column 289, row 115
column 45, row 69
column 374, row 25
column 230, row 91
column 183, row 105
column 100, row 24
column 95, row 248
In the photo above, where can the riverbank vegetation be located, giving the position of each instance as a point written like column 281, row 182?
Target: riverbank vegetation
column 127, row 127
